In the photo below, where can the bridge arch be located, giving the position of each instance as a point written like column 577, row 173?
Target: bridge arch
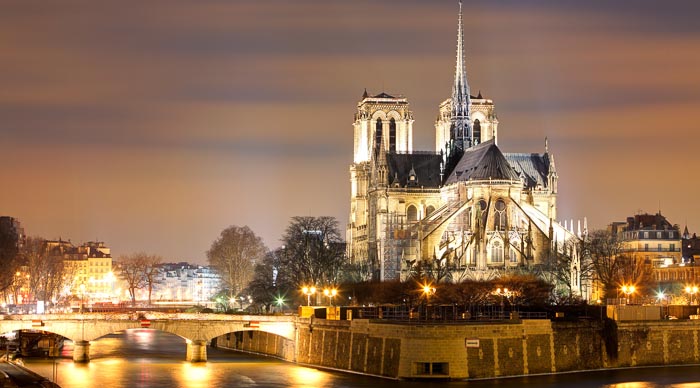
column 196, row 330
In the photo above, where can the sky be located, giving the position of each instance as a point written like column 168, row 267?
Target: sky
column 152, row 126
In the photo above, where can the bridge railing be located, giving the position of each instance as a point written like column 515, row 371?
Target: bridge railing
column 444, row 313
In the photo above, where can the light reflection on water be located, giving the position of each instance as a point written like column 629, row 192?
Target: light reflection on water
column 149, row 358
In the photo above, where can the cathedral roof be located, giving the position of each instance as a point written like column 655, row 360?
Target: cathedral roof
column 383, row 95
column 483, row 162
column 532, row 167
column 425, row 166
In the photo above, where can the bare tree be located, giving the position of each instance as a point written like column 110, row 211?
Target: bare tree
column 151, row 270
column 234, row 255
column 9, row 254
column 45, row 269
column 568, row 264
column 270, row 284
column 314, row 250
column 131, row 269
column 604, row 249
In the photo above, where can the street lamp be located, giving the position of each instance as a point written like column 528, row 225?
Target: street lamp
column 661, row 297
column 82, row 296
column 628, row 290
column 692, row 291
column 308, row 291
column 503, row 293
column 428, row 290
column 330, row 294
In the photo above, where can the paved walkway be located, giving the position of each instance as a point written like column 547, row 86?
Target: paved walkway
column 22, row 377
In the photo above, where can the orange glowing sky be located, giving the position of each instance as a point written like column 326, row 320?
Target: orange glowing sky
column 153, row 126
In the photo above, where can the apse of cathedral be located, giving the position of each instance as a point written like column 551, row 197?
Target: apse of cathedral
column 466, row 209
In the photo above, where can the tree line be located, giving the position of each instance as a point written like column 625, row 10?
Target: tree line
column 313, row 253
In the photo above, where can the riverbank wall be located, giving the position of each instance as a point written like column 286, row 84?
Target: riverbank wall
column 476, row 350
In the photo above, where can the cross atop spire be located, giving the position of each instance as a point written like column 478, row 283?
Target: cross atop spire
column 461, row 129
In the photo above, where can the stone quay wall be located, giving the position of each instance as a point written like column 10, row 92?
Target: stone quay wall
column 476, row 350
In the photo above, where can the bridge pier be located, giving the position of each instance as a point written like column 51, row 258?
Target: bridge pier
column 81, row 351
column 197, row 351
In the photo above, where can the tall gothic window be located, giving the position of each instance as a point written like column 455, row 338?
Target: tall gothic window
column 500, row 216
column 392, row 135
column 496, row 252
column 513, row 255
column 429, row 210
column 476, row 131
column 481, row 210
column 378, row 136
column 412, row 214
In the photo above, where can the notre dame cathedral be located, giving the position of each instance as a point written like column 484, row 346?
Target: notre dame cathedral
column 467, row 208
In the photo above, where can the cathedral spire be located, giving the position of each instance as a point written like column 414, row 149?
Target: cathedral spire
column 461, row 129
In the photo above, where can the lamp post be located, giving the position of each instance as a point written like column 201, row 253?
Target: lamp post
column 692, row 291
column 504, row 293
column 330, row 293
column 82, row 296
column 308, row 291
column 428, row 290
column 628, row 290
column 661, row 297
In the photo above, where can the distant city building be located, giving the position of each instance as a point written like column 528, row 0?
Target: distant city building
column 184, row 282
column 11, row 229
column 88, row 268
column 653, row 240
column 691, row 247
column 466, row 207
column 650, row 237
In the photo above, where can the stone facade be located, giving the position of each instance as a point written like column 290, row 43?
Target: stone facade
column 466, row 207
column 475, row 351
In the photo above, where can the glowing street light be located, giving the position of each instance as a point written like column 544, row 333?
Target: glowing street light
column 308, row 291
column 428, row 290
column 330, row 294
column 692, row 291
column 628, row 290
column 504, row 294
column 280, row 302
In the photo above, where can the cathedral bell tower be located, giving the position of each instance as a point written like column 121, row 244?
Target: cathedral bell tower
column 382, row 123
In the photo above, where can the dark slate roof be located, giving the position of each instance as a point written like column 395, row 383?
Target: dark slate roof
column 534, row 168
column 426, row 166
column 383, row 95
column 482, row 162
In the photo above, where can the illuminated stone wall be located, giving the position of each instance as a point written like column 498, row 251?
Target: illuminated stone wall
column 470, row 351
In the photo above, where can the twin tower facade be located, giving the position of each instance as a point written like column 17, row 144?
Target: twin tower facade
column 465, row 209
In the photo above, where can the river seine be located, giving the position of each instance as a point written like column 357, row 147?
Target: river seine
column 149, row 358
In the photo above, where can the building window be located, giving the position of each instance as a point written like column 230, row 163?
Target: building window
column 378, row 135
column 481, row 210
column 658, row 234
column 659, row 248
column 412, row 214
column 646, row 234
column 477, row 131
column 646, row 247
column 496, row 252
column 500, row 219
column 429, row 210
column 672, row 248
column 392, row 135
column 513, row 255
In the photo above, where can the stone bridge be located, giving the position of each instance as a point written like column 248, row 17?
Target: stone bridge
column 196, row 329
